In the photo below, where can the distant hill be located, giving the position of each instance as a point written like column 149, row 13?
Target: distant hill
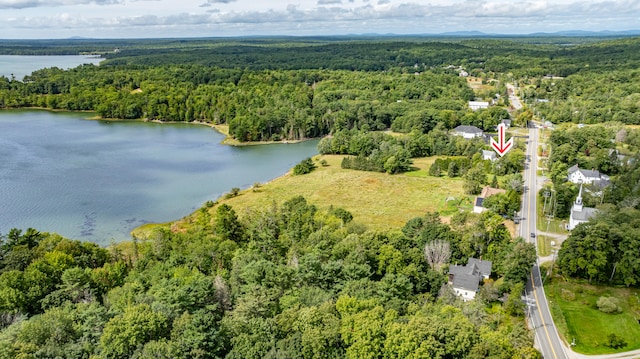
column 464, row 33
column 587, row 33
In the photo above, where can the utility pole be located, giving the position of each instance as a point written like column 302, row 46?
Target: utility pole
column 546, row 195
column 552, row 210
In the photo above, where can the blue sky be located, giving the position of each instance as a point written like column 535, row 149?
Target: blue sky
column 22, row 19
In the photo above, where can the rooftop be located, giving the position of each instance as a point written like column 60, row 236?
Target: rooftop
column 490, row 191
column 467, row 129
column 585, row 214
column 468, row 277
column 586, row 173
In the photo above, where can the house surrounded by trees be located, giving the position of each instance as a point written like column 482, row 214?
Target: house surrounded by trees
column 486, row 192
column 467, row 132
column 489, row 155
column 477, row 105
column 465, row 280
column 578, row 175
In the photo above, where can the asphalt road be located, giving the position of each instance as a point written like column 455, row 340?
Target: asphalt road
column 513, row 97
column 546, row 335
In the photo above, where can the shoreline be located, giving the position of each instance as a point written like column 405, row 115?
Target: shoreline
column 221, row 128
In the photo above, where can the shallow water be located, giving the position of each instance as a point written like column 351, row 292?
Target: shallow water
column 97, row 180
column 19, row 66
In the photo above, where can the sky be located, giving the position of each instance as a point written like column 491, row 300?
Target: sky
column 47, row 19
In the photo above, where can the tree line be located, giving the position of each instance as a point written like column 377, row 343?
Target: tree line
column 257, row 105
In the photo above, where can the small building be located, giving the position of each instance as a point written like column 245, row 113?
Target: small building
column 620, row 158
column 465, row 280
column 577, row 175
column 489, row 155
column 486, row 192
column 477, row 105
column 506, row 122
column 580, row 213
column 467, row 132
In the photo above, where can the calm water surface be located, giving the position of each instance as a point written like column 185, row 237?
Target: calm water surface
column 20, row 66
column 97, row 180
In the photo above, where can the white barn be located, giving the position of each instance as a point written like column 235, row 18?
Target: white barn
column 477, row 105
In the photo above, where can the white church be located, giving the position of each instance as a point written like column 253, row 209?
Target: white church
column 579, row 213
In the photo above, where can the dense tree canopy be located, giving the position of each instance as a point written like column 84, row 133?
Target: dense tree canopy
column 286, row 281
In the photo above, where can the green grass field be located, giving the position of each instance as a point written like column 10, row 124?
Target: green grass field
column 378, row 200
column 580, row 319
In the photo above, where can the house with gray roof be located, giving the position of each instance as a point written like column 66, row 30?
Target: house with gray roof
column 579, row 175
column 467, row 131
column 465, row 280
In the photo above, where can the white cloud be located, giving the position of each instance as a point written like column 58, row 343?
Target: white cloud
column 215, row 2
column 22, row 4
column 114, row 18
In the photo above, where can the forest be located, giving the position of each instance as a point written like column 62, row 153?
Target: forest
column 290, row 281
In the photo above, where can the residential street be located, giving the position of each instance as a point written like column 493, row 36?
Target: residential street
column 547, row 339
column 546, row 336
column 513, row 97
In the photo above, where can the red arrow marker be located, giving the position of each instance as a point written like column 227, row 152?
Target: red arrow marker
column 501, row 147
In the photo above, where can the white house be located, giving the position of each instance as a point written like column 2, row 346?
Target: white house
column 476, row 105
column 465, row 280
column 579, row 213
column 488, row 155
column 467, row 132
column 577, row 175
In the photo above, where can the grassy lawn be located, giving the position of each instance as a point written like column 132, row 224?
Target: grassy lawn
column 544, row 245
column 378, row 200
column 554, row 226
column 577, row 316
column 476, row 84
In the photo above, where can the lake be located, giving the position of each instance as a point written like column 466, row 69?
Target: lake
column 97, row 180
column 20, row 66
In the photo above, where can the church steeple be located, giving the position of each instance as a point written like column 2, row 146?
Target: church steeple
column 577, row 206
